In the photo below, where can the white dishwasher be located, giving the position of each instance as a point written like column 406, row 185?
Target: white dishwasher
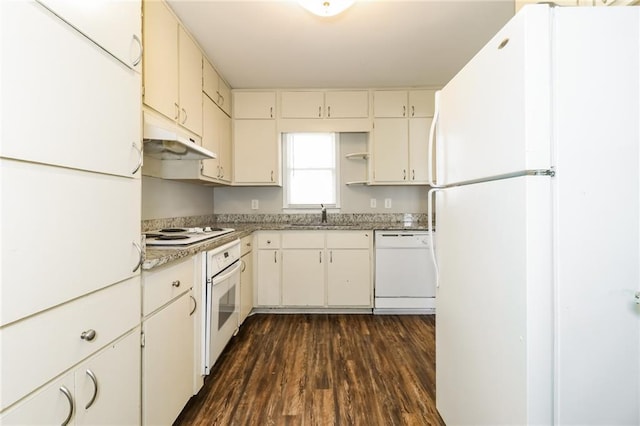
column 405, row 279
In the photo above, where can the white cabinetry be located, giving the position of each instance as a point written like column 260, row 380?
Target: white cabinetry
column 268, row 269
column 303, row 268
column 70, row 214
column 401, row 136
column 314, row 269
column 324, row 104
column 256, row 151
column 216, row 136
column 102, row 390
column 246, row 278
column 168, row 342
column 215, row 87
column 172, row 68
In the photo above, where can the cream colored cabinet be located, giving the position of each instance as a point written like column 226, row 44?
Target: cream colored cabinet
column 216, row 136
column 94, row 20
column 324, row 104
column 246, row 278
column 172, row 68
column 105, row 389
column 83, row 112
column 254, row 105
column 215, row 87
column 400, row 138
column 41, row 347
column 315, row 269
column 303, row 268
column 268, row 273
column 349, row 280
column 168, row 341
column 256, row 150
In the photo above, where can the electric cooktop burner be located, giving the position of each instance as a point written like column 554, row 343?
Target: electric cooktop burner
column 181, row 237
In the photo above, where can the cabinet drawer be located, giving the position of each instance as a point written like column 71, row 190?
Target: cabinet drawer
column 349, row 239
column 28, row 360
column 303, row 239
column 268, row 240
column 246, row 245
column 167, row 282
column 96, row 129
column 67, row 233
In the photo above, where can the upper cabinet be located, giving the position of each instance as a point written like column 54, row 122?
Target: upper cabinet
column 215, row 87
column 95, row 20
column 254, row 105
column 324, row 104
column 400, row 138
column 172, row 68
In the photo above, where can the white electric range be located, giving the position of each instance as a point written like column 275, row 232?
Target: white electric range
column 181, row 237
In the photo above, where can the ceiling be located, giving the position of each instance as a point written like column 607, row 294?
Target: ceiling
column 375, row 43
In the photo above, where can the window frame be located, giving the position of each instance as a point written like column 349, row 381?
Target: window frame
column 286, row 173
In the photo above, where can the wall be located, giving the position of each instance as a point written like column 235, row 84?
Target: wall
column 166, row 198
column 354, row 198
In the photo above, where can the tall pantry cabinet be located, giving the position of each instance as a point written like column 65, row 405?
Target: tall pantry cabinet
column 70, row 217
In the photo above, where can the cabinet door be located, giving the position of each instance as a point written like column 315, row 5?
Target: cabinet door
column 246, row 286
column 114, row 25
column 160, row 31
column 210, row 81
column 303, row 277
column 210, row 137
column 167, row 362
column 223, row 122
column 347, row 104
column 268, row 276
column 421, row 103
column 390, row 150
column 254, row 105
column 390, row 103
column 116, row 389
column 256, row 154
column 224, row 101
column 47, row 406
column 82, row 113
column 190, row 83
column 419, row 149
column 349, row 278
column 302, row 104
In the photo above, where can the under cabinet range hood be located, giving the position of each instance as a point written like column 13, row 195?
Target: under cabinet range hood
column 165, row 141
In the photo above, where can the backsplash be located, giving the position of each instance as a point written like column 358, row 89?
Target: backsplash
column 302, row 218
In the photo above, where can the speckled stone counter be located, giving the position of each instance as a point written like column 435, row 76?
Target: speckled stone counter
column 247, row 224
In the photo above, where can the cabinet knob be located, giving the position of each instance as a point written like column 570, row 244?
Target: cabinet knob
column 176, row 283
column 88, row 335
column 268, row 241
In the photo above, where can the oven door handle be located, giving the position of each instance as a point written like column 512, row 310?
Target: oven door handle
column 217, row 279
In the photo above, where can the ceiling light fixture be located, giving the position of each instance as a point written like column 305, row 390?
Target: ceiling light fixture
column 326, row 7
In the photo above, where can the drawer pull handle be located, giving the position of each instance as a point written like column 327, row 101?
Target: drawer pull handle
column 243, row 266
column 176, row 283
column 67, row 393
column 139, row 159
column 137, row 60
column 195, row 305
column 93, row 378
column 88, row 335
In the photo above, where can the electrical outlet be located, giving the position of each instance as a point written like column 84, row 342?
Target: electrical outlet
column 387, row 203
column 254, row 204
column 372, row 203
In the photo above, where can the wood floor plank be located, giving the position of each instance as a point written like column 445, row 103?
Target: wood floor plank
column 320, row 369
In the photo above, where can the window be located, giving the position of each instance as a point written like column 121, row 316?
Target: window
column 311, row 175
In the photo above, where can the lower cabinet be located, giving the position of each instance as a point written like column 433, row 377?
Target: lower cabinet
column 104, row 390
column 314, row 269
column 167, row 342
column 246, row 277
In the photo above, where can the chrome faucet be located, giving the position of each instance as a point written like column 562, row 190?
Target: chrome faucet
column 324, row 213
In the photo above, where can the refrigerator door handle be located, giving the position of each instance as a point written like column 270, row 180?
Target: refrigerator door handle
column 430, row 196
column 432, row 133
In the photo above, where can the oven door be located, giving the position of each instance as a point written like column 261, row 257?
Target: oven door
column 222, row 314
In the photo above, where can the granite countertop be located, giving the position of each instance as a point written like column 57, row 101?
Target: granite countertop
column 155, row 256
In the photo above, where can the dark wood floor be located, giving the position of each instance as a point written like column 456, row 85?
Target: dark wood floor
column 317, row 369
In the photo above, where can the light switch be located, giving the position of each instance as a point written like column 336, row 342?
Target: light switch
column 254, row 204
column 372, row 203
column 387, row 203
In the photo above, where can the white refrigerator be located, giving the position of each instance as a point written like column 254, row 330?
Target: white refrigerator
column 537, row 212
